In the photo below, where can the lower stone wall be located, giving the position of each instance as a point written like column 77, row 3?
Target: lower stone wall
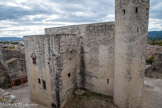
column 16, row 68
column 8, row 54
column 40, row 69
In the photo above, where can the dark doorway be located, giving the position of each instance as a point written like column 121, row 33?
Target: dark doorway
column 53, row 105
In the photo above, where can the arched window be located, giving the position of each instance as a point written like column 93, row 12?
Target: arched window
column 33, row 56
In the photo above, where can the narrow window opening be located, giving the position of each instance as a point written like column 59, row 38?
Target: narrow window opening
column 69, row 74
column 34, row 60
column 69, row 58
column 39, row 81
column 137, row 29
column 48, row 62
column 44, row 84
column 71, row 52
column 147, row 9
column 147, row 14
column 136, row 10
column 124, row 11
column 22, row 70
column 107, row 81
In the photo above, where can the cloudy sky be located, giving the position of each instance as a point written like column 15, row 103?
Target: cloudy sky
column 28, row 17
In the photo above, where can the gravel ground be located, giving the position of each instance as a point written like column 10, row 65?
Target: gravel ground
column 22, row 96
column 152, row 95
column 91, row 100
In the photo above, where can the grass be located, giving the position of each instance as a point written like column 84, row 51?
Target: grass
column 87, row 98
column 11, row 47
column 92, row 94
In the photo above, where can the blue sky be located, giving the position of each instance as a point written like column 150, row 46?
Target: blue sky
column 28, row 17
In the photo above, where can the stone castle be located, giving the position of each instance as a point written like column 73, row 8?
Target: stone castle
column 106, row 58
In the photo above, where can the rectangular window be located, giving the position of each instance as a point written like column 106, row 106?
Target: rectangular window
column 107, row 81
column 124, row 11
column 44, row 84
column 147, row 9
column 147, row 14
column 136, row 10
column 34, row 60
column 137, row 29
column 39, row 81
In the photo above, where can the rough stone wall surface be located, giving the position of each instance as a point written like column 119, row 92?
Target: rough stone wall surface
column 155, row 70
column 38, row 71
column 67, row 65
column 96, row 55
column 13, row 62
column 56, row 63
column 8, row 54
column 80, row 31
column 131, row 27
column 1, row 56
column 157, row 62
column 16, row 68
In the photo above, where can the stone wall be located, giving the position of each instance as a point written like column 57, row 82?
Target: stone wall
column 157, row 62
column 131, row 27
column 96, row 55
column 66, row 65
column 155, row 70
column 14, row 64
column 56, row 65
column 67, row 62
column 16, row 68
column 38, row 70
column 8, row 54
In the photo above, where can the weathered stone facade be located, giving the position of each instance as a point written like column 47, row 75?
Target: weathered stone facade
column 14, row 64
column 6, row 54
column 155, row 70
column 106, row 58
column 71, row 61
column 16, row 68
column 96, row 55
column 131, row 27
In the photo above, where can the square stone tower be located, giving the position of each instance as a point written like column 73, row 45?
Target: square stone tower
column 131, row 27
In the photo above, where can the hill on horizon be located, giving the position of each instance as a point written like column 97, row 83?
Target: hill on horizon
column 10, row 39
column 151, row 35
column 155, row 35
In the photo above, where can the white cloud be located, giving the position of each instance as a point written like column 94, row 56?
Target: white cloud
column 18, row 5
column 28, row 17
column 155, row 24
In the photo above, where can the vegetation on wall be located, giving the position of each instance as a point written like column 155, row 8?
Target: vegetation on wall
column 150, row 60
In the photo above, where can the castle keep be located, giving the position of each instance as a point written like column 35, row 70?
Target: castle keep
column 106, row 58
